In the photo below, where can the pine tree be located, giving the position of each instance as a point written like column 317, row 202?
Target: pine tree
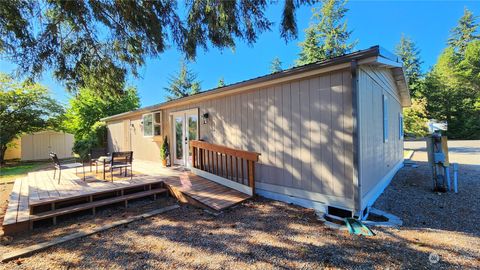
column 111, row 40
column 276, row 65
column 464, row 32
column 221, row 82
column 328, row 36
column 410, row 56
column 183, row 84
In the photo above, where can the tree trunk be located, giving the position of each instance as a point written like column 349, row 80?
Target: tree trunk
column 3, row 149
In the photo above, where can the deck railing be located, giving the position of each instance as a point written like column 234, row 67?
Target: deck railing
column 233, row 164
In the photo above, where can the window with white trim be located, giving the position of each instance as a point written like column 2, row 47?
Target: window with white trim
column 152, row 124
column 157, row 123
column 385, row 118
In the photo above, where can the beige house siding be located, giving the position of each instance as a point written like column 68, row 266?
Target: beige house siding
column 116, row 136
column 377, row 158
column 303, row 130
column 127, row 134
column 144, row 147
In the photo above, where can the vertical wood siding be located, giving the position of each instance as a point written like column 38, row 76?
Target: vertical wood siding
column 303, row 130
column 377, row 158
column 37, row 146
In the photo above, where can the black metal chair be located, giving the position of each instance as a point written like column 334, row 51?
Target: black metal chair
column 93, row 156
column 120, row 160
column 60, row 167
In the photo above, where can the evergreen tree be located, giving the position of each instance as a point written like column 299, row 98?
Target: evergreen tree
column 410, row 56
column 328, row 36
column 276, row 65
column 183, row 84
column 221, row 82
column 415, row 118
column 112, row 39
column 452, row 91
column 464, row 32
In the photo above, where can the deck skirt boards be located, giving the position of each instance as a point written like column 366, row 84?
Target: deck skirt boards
column 306, row 195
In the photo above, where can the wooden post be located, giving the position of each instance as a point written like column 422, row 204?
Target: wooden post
column 201, row 158
column 194, row 157
column 251, row 175
column 217, row 169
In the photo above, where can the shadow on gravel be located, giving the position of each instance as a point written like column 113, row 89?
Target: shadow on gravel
column 260, row 231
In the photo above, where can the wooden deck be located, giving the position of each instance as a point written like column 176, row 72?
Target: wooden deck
column 39, row 197
column 206, row 192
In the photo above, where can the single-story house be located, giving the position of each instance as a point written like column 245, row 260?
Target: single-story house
column 38, row 145
column 329, row 134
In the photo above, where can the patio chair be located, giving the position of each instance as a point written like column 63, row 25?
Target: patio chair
column 58, row 166
column 93, row 156
column 120, row 160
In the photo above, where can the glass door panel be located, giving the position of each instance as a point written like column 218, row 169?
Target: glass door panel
column 185, row 128
column 178, row 140
column 192, row 131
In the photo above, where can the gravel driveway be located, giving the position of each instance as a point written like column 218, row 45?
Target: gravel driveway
column 264, row 234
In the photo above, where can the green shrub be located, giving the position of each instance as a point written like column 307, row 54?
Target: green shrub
column 165, row 149
column 96, row 137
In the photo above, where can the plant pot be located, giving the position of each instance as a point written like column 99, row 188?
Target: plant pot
column 164, row 163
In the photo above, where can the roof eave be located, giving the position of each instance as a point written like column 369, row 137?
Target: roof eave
column 374, row 54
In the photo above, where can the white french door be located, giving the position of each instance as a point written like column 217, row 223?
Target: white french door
column 184, row 129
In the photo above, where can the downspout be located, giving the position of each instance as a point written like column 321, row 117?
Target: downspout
column 357, row 196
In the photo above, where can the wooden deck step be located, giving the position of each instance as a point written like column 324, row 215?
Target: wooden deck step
column 117, row 187
column 90, row 205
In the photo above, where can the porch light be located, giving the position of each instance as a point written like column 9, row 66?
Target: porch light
column 205, row 118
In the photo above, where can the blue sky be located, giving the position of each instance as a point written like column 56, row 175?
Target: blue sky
column 428, row 23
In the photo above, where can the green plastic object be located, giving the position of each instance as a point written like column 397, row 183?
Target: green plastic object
column 357, row 227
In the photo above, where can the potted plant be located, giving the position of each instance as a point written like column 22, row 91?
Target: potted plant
column 164, row 151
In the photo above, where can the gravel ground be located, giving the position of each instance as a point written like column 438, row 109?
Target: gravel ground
column 264, row 234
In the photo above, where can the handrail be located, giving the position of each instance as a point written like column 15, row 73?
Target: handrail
column 225, row 162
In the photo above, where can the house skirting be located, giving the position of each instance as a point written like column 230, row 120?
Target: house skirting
column 303, row 198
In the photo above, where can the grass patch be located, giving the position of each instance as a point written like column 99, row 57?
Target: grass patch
column 11, row 171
